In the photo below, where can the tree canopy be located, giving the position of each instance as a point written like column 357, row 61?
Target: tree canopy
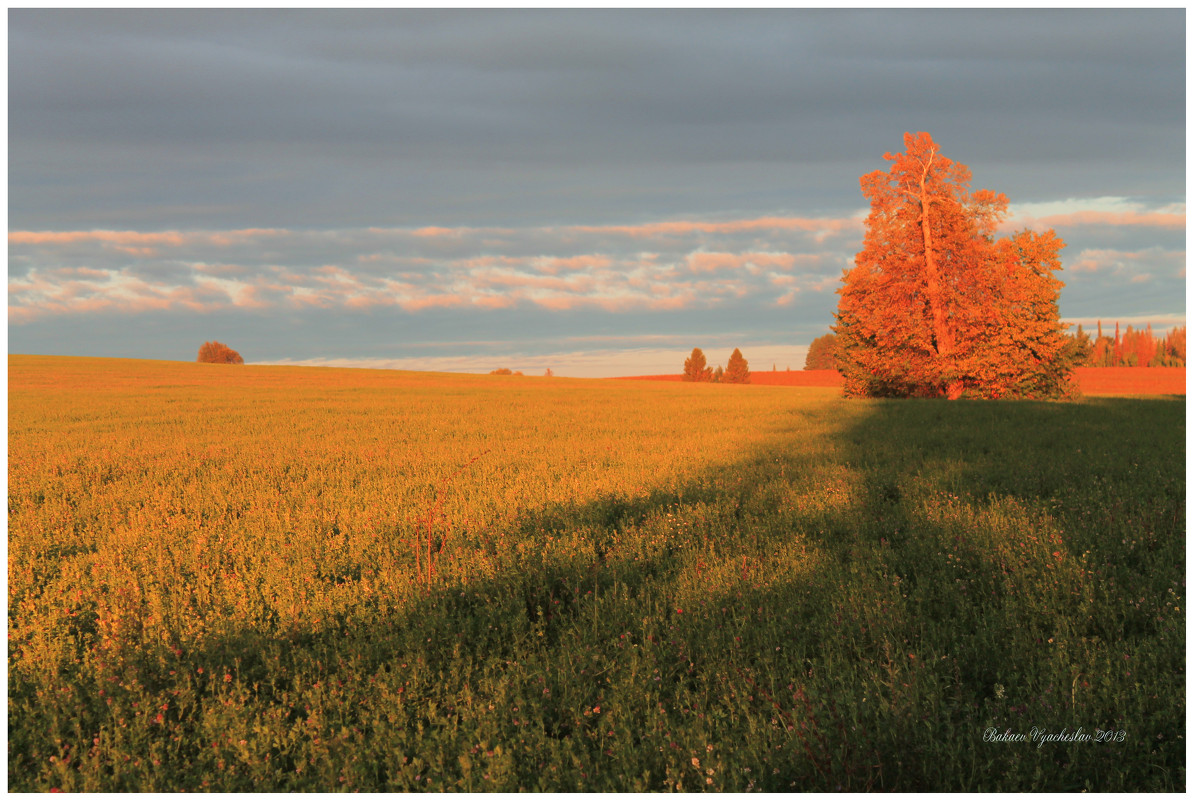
column 936, row 305
column 218, row 353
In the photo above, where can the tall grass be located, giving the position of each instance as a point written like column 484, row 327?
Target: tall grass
column 213, row 585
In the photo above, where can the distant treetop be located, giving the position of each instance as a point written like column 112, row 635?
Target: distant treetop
column 737, row 371
column 696, row 368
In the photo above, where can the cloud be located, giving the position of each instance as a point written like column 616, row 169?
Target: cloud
column 665, row 266
column 553, row 265
column 1125, row 262
column 1160, row 321
column 1098, row 211
column 516, row 117
column 1175, row 221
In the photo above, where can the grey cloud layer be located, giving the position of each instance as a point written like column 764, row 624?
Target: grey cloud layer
column 299, row 118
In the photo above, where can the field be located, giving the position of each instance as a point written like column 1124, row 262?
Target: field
column 269, row 578
column 1093, row 381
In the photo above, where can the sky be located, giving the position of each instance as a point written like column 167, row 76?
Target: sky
column 594, row 192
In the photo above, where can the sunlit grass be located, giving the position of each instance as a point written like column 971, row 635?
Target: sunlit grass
column 218, row 580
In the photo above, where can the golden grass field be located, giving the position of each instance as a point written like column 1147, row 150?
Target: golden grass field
column 249, row 578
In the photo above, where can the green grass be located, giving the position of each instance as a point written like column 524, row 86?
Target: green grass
column 639, row 586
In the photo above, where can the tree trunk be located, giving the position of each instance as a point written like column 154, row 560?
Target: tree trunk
column 941, row 332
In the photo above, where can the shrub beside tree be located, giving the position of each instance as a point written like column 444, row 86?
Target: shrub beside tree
column 936, row 305
column 822, row 353
column 218, row 353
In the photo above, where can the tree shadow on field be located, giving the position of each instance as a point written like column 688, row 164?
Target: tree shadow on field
column 853, row 617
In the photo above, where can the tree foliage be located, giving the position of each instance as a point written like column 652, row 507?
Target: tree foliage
column 936, row 305
column 695, row 368
column 737, row 371
column 822, row 353
column 218, row 353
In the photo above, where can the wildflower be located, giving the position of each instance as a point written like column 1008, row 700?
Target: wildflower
column 696, row 763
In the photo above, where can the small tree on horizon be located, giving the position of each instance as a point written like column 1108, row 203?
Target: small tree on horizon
column 737, row 371
column 695, row 368
column 218, row 353
column 717, row 375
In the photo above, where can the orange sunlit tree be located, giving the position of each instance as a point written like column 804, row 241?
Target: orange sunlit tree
column 936, row 305
column 218, row 353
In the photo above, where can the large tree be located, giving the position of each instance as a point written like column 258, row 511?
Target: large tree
column 936, row 305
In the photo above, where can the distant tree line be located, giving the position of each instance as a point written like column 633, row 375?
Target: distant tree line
column 1133, row 348
column 736, row 371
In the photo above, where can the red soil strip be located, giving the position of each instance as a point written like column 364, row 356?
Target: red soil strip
column 785, row 378
column 1092, row 380
column 1132, row 380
